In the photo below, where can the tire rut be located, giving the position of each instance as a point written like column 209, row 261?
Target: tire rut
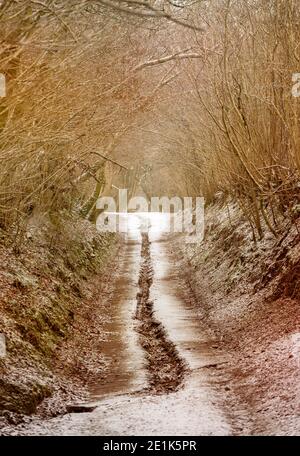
column 166, row 369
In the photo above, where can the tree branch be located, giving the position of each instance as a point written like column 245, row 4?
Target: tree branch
column 144, row 9
column 168, row 58
column 110, row 160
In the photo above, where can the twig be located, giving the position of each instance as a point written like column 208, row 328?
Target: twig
column 110, row 160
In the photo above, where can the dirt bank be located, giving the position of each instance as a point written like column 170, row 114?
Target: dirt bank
column 53, row 298
column 248, row 295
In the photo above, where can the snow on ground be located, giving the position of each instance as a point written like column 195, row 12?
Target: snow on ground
column 190, row 411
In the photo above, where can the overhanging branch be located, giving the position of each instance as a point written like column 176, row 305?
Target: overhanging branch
column 144, row 9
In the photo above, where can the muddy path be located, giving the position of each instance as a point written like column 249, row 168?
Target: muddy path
column 166, row 369
column 168, row 373
column 127, row 372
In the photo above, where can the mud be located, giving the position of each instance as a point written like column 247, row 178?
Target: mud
column 166, row 369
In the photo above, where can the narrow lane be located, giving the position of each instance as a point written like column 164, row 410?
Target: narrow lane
column 123, row 405
column 127, row 361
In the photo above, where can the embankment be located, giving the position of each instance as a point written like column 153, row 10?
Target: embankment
column 53, row 291
column 249, row 296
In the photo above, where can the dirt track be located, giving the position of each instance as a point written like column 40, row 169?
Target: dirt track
column 182, row 387
column 172, row 373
